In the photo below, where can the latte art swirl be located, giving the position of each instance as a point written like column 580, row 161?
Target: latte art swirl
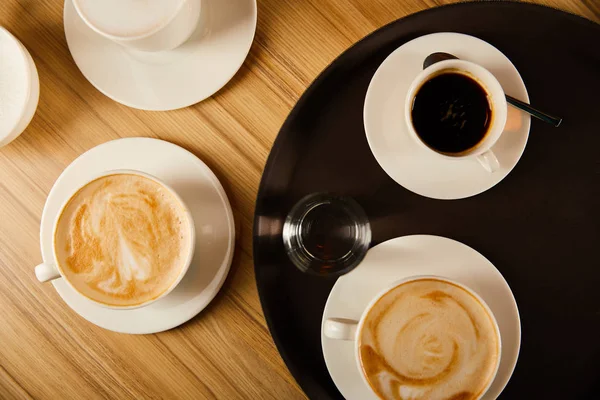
column 121, row 239
column 429, row 339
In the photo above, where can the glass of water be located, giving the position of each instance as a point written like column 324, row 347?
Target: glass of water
column 326, row 234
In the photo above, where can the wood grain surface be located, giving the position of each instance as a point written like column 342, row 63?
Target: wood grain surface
column 46, row 350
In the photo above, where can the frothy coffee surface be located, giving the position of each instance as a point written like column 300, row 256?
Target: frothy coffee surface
column 128, row 18
column 122, row 239
column 429, row 339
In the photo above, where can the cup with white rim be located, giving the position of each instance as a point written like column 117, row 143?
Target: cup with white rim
column 56, row 269
column 147, row 26
column 482, row 151
column 411, row 332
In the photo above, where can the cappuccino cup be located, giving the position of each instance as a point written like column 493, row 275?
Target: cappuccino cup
column 424, row 338
column 151, row 26
column 456, row 109
column 123, row 240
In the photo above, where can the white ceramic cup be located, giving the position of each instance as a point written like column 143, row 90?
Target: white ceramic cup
column 482, row 152
column 49, row 271
column 350, row 330
column 167, row 33
column 31, row 88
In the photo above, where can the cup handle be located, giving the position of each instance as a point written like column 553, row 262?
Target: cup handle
column 46, row 272
column 340, row 328
column 489, row 161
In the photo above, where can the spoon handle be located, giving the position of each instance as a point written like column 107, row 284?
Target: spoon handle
column 530, row 110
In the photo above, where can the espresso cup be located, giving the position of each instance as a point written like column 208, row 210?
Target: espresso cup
column 424, row 337
column 496, row 120
column 123, row 240
column 146, row 26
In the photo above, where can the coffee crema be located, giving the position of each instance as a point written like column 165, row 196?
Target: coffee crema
column 429, row 339
column 122, row 239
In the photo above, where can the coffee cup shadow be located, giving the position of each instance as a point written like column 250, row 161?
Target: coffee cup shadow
column 211, row 243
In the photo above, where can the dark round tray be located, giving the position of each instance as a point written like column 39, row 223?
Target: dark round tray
column 540, row 226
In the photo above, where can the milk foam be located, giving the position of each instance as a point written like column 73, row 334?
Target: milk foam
column 14, row 73
column 122, row 239
column 429, row 339
column 128, row 18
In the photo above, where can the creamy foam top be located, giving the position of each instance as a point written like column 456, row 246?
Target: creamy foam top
column 429, row 339
column 128, row 18
column 122, row 239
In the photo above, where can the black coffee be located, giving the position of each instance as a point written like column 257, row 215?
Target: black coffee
column 451, row 113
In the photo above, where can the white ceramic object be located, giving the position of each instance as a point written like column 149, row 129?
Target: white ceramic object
column 406, row 161
column 50, row 271
column 147, row 26
column 213, row 219
column 22, row 99
column 351, row 330
column 482, row 152
column 399, row 259
column 166, row 80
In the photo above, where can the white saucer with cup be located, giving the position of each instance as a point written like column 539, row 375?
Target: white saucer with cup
column 406, row 259
column 204, row 197
column 160, row 55
column 417, row 167
column 19, row 87
column 424, row 337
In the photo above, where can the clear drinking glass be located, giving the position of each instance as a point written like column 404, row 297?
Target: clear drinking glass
column 326, row 234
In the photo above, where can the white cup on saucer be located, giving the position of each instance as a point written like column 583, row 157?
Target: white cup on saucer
column 131, row 255
column 438, row 331
column 157, row 25
column 482, row 151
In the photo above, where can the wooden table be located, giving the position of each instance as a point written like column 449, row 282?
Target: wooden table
column 46, row 350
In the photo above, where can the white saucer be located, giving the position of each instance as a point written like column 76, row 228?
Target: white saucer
column 171, row 79
column 417, row 255
column 203, row 194
column 401, row 157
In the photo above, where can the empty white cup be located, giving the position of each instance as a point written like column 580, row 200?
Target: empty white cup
column 151, row 26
